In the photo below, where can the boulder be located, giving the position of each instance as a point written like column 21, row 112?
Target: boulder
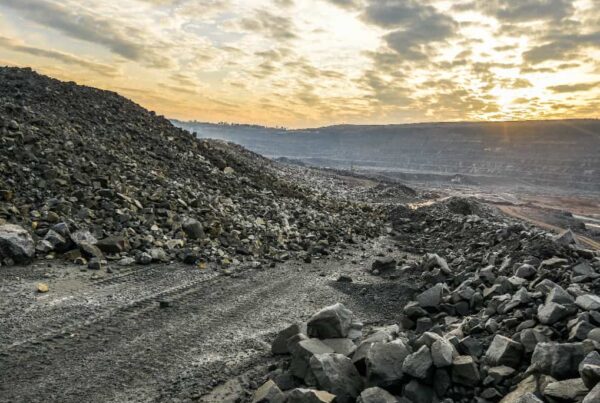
column 551, row 312
column 113, row 245
column 566, row 237
column 588, row 302
column 432, row 297
column 589, row 369
column 383, row 265
column 302, row 353
column 280, row 344
column 301, row 395
column 341, row 346
column 384, row 362
column 418, row 364
column 376, row 395
column 442, row 353
column 570, row 390
column 16, row 244
column 593, row 396
column 523, row 392
column 504, row 351
column 268, row 393
column 559, row 360
column 336, row 374
column 465, row 371
column 331, row 322
column 193, row 228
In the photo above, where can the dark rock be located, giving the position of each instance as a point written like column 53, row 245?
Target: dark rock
column 336, row 374
column 504, row 351
column 16, row 244
column 329, row 323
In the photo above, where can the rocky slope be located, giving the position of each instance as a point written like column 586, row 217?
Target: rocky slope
column 503, row 312
column 93, row 176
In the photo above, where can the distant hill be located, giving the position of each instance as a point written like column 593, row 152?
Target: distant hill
column 561, row 153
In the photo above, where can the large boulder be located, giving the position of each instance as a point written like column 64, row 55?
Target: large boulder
column 268, row 393
column 465, row 371
column 280, row 344
column 16, row 244
column 418, row 364
column 589, row 369
column 432, row 297
column 504, row 351
column 302, row 353
column 593, row 396
column 332, row 322
column 376, row 395
column 571, row 390
column 336, row 374
column 559, row 360
column 384, row 362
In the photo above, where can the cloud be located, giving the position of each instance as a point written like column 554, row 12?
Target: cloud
column 350, row 4
column 415, row 25
column 561, row 47
column 574, row 87
column 88, row 27
column 99, row 68
column 518, row 11
column 274, row 26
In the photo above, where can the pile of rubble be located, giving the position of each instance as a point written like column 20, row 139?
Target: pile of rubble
column 89, row 175
column 504, row 313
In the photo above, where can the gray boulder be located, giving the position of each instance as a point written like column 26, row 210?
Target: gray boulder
column 336, row 374
column 341, row 346
column 331, row 322
column 301, row 395
column 280, row 344
column 567, row 237
column 588, row 302
column 302, row 353
column 559, row 360
column 193, row 228
column 551, row 312
column 504, row 351
column 570, row 390
column 376, row 395
column 589, row 369
column 16, row 244
column 418, row 364
column 268, row 393
column 593, row 396
column 384, row 362
column 465, row 371
column 442, row 353
column 432, row 297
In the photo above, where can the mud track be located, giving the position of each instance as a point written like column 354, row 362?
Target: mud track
column 109, row 340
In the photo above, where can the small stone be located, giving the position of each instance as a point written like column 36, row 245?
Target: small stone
column 95, row 264
column 42, row 288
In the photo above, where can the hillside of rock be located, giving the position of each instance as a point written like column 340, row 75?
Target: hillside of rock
column 92, row 176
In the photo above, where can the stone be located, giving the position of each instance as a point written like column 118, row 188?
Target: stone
column 531, row 337
column 569, row 389
column 383, row 265
column 376, row 395
column 465, row 371
column 331, row 322
column 500, row 373
column 280, row 344
column 418, row 364
column 269, row 392
column 559, row 296
column 588, row 302
column 94, row 264
column 504, row 351
column 56, row 240
column 336, row 374
column 16, row 244
column 384, row 361
column 113, row 245
column 589, row 369
column 566, row 237
column 193, row 228
column 526, row 271
column 559, row 360
column 418, row 392
column 301, row 354
column 551, row 312
column 42, row 288
column 158, row 254
column 442, row 353
column 432, row 297
column 341, row 346
column 593, row 396
column 301, row 395
column 522, row 393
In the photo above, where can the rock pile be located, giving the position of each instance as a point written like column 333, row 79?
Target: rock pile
column 92, row 175
column 504, row 313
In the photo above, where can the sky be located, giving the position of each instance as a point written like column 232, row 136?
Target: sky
column 306, row 63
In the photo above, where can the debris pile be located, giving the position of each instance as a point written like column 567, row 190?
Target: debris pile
column 93, row 176
column 503, row 313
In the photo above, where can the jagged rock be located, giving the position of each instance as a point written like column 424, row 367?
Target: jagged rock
column 523, row 392
column 384, row 362
column 376, row 395
column 526, row 271
column 42, row 288
column 418, row 392
column 301, row 354
column 268, row 393
column 559, row 296
column 341, row 346
column 465, row 371
column 193, row 228
column 593, row 396
column 589, row 369
column 331, row 322
column 301, row 395
column 113, row 245
column 442, row 353
column 559, row 360
column 551, row 312
column 336, row 374
column 280, row 344
column 418, row 364
column 588, row 302
column 569, row 389
column 16, row 244
column 567, row 237
column 432, row 297
column 504, row 351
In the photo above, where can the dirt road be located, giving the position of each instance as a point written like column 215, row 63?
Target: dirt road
column 109, row 339
column 515, row 212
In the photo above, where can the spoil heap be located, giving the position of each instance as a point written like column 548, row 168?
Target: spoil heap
column 91, row 176
column 503, row 312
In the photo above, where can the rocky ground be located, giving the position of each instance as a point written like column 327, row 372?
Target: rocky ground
column 139, row 264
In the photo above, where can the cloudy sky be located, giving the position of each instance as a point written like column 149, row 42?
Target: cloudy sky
column 300, row 63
